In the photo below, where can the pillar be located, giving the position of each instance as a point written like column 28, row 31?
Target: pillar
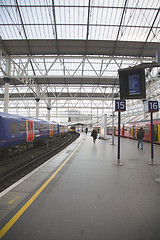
column 48, row 113
column 37, row 100
column 91, row 112
column 49, row 109
column 37, row 107
column 112, row 115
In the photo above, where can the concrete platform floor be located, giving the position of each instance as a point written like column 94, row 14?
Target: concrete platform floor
column 91, row 198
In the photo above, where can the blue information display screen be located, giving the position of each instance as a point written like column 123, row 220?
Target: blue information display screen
column 134, row 84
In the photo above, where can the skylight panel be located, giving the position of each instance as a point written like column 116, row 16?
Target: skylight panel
column 118, row 3
column 103, row 33
column 12, row 32
column 34, row 15
column 143, row 4
column 71, row 2
column 154, row 35
column 32, row 2
column 105, row 16
column 71, row 32
column 134, row 34
column 139, row 17
column 70, row 22
column 75, row 15
column 9, row 16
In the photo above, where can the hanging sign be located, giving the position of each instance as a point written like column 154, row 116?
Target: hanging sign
column 120, row 105
column 151, row 106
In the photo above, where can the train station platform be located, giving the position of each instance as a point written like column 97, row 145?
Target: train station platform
column 81, row 194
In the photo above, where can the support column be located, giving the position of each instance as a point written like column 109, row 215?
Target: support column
column 56, row 111
column 49, row 109
column 37, row 100
column 112, row 115
column 91, row 112
column 103, row 108
column 37, row 107
column 6, row 94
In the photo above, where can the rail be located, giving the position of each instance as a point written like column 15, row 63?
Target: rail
column 13, row 171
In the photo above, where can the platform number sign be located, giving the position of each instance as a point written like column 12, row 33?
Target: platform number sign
column 120, row 105
column 153, row 106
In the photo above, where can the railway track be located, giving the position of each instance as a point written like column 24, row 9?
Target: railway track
column 13, row 170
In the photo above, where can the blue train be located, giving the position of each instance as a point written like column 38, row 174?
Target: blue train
column 17, row 131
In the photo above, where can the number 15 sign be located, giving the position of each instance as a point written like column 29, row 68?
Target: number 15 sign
column 120, row 105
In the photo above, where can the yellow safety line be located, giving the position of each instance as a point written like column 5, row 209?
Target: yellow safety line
column 31, row 200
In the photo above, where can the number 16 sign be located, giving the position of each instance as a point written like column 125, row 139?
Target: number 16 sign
column 120, row 105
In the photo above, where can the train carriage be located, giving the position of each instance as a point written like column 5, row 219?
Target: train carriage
column 17, row 131
column 63, row 129
column 129, row 130
column 72, row 129
column 146, row 125
column 13, row 130
column 109, row 130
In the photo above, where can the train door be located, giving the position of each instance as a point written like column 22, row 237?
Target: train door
column 51, row 130
column 30, row 130
column 156, row 133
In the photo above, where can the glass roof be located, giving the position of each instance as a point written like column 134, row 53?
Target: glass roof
column 126, row 20
column 112, row 20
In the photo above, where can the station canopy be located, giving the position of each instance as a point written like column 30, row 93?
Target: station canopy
column 71, row 50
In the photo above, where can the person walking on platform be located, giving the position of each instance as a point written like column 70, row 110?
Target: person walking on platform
column 86, row 130
column 94, row 135
column 140, row 136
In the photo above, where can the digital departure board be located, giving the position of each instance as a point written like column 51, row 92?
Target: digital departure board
column 132, row 83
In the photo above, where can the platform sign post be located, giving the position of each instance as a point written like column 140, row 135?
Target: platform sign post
column 152, row 106
column 120, row 106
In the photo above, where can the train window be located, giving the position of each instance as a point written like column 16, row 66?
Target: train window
column 49, row 127
column 127, row 129
column 40, row 127
column 56, row 128
column 14, row 128
column 36, row 127
column 29, row 126
column 22, row 127
column 32, row 127
column 46, row 127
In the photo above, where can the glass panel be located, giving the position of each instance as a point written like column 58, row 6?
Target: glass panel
column 14, row 128
column 22, row 127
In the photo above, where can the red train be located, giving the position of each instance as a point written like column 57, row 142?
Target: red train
column 129, row 130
